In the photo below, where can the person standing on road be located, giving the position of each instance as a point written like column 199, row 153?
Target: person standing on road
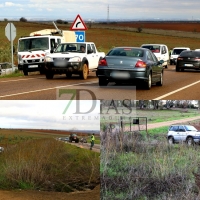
column 92, row 139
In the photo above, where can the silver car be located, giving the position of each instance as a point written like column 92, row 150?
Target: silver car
column 130, row 64
column 183, row 133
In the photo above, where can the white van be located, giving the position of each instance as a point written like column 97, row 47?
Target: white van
column 160, row 50
column 175, row 53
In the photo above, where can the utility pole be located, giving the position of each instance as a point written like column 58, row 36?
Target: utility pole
column 108, row 15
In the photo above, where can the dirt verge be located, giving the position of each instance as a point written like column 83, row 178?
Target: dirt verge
column 41, row 195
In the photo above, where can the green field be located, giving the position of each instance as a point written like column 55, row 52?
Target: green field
column 153, row 116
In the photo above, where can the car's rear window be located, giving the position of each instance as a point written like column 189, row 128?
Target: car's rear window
column 130, row 52
column 190, row 54
column 177, row 51
column 153, row 48
column 190, row 128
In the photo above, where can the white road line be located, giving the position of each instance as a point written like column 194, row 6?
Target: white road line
column 170, row 93
column 18, row 80
column 9, row 95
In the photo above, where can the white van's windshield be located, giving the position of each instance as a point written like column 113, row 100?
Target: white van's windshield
column 33, row 44
column 177, row 51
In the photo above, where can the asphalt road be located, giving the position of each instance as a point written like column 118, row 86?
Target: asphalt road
column 177, row 85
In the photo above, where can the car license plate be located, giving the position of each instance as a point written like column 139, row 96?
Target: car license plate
column 33, row 66
column 60, row 63
column 124, row 75
column 188, row 65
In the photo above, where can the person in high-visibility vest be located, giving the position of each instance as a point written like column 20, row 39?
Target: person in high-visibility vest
column 92, row 139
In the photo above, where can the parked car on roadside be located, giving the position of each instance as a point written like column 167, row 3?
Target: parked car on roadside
column 73, row 137
column 83, row 140
column 6, row 68
column 129, row 64
column 1, row 149
column 161, row 52
column 175, row 53
column 188, row 59
column 66, row 139
column 183, row 133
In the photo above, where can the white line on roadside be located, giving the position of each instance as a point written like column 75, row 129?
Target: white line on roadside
column 9, row 95
column 17, row 80
column 170, row 93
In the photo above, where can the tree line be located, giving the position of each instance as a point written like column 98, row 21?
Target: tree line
column 152, row 104
column 23, row 19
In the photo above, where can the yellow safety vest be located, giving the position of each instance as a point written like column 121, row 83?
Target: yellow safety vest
column 92, row 138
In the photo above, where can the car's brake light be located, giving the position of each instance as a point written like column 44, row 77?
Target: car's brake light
column 103, row 62
column 141, row 64
column 197, row 59
column 179, row 58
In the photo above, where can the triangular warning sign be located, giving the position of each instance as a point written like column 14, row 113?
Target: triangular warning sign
column 78, row 24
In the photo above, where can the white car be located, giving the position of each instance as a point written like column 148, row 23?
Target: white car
column 161, row 52
column 1, row 149
column 175, row 53
column 183, row 133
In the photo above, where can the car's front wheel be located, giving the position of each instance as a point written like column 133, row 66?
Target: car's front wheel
column 25, row 73
column 49, row 75
column 171, row 140
column 177, row 69
column 84, row 72
column 190, row 141
column 160, row 83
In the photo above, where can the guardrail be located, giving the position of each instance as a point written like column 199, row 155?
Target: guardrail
column 6, row 68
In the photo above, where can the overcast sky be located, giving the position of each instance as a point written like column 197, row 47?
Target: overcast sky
column 98, row 9
column 49, row 114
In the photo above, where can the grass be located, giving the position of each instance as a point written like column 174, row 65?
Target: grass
column 37, row 161
column 14, row 74
column 132, row 166
column 153, row 116
column 48, row 164
column 149, row 171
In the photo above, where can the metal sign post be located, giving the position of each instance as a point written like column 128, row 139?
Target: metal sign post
column 10, row 32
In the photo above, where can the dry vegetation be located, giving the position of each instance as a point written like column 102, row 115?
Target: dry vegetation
column 34, row 159
column 136, row 167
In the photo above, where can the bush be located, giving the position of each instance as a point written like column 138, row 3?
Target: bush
column 149, row 171
column 23, row 19
column 59, row 21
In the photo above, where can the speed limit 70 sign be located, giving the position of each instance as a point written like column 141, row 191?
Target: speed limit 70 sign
column 80, row 36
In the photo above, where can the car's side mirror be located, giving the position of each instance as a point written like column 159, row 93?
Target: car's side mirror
column 160, row 61
column 51, row 51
